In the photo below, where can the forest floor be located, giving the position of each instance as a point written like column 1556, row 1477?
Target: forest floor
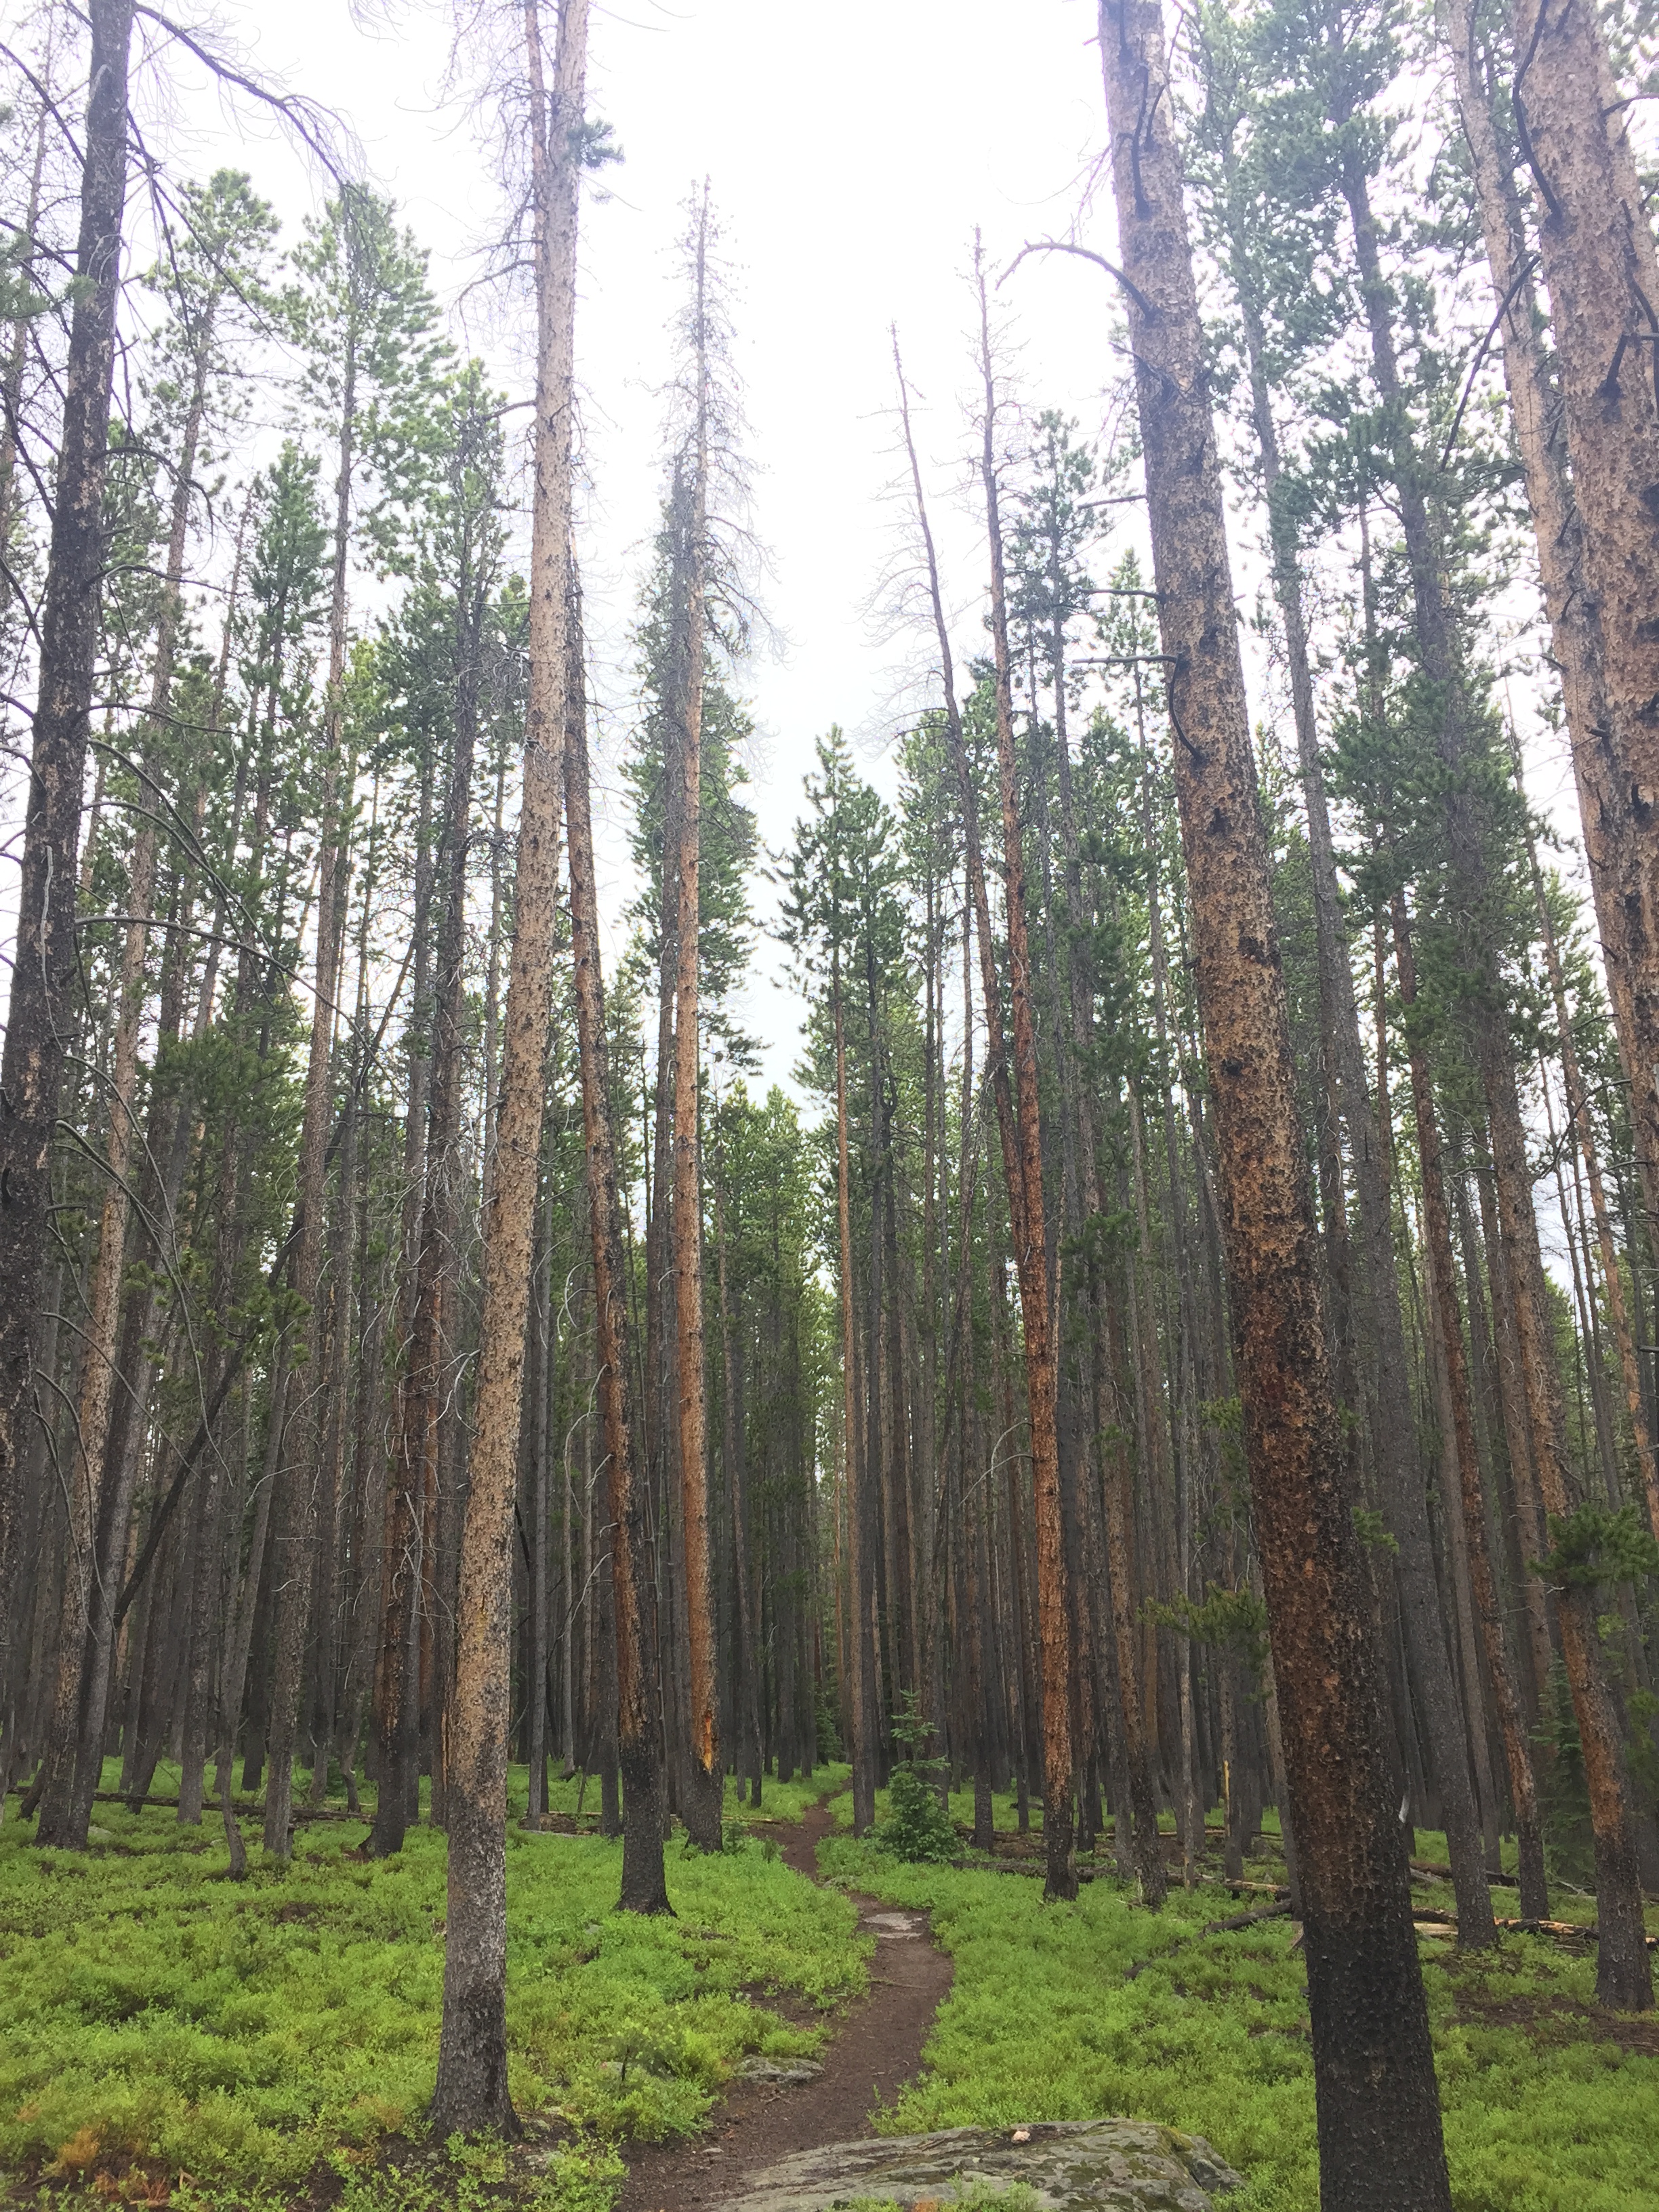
column 876, row 2048
column 167, row 2037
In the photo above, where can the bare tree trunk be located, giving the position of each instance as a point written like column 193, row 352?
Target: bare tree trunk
column 471, row 2090
column 1378, row 2107
column 414, row 1471
column 734, row 1452
column 1602, row 276
column 1031, row 1248
column 39, row 1020
column 639, row 1695
column 296, row 1508
column 1500, row 1665
column 11, row 381
column 1400, row 1474
column 860, row 1658
column 704, row 1778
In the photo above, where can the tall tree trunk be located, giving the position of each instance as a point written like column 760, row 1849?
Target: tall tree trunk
column 1602, row 276
column 414, row 1471
column 471, row 2090
column 80, row 1700
column 639, row 1695
column 296, row 1508
column 860, row 1655
column 1031, row 1248
column 1378, row 2105
column 704, row 1775
column 1400, row 1470
column 39, row 1018
column 734, row 1452
column 1500, row 1664
column 396, row 1716
column 1624, row 1978
column 1061, row 1871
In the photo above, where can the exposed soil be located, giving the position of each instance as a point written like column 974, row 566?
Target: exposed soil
column 876, row 2050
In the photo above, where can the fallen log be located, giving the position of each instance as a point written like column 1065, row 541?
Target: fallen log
column 252, row 1805
column 1444, row 1874
column 1031, row 1869
column 1570, row 1930
column 1280, row 1911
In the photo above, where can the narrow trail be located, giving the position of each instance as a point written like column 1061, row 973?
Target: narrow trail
column 876, row 2050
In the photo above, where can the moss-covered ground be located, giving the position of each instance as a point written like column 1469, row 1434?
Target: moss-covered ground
column 166, row 2035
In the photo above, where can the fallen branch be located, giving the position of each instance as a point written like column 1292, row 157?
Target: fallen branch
column 1280, row 1911
column 1444, row 1874
column 1570, row 1930
column 242, row 1805
column 1569, row 1927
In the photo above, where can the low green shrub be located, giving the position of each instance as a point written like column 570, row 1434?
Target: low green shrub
column 1077, row 2011
column 239, row 2033
column 917, row 1827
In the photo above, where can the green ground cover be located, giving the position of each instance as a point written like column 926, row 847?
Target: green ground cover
column 275, row 2042
column 1078, row 2011
column 157, row 2019
column 780, row 1801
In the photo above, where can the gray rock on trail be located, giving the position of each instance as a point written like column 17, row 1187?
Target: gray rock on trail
column 781, row 2073
column 1068, row 2165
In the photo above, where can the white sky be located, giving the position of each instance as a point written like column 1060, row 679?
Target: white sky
column 851, row 152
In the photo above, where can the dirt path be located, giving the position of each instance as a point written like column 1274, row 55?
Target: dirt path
column 876, row 2050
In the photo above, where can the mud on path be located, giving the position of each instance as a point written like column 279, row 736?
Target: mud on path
column 876, row 2048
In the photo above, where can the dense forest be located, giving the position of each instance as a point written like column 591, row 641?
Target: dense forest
column 1184, row 1336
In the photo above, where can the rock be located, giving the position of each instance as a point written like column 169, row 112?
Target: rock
column 892, row 1927
column 1069, row 2166
column 783, row 2072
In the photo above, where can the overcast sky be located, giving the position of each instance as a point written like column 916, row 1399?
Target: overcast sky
column 850, row 154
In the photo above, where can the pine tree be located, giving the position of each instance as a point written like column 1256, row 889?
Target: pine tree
column 1364, row 1990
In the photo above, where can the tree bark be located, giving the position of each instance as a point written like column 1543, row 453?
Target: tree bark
column 39, row 1018
column 1500, row 1663
column 1603, row 276
column 471, row 2089
column 296, row 1508
column 1378, row 2105
column 704, row 1776
column 639, row 1696
column 1031, row 1245
column 1374, row 1278
column 861, row 1569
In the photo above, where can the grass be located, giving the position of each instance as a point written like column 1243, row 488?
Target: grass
column 1544, row 2112
column 167, row 2035
column 781, row 1801
column 157, row 2019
